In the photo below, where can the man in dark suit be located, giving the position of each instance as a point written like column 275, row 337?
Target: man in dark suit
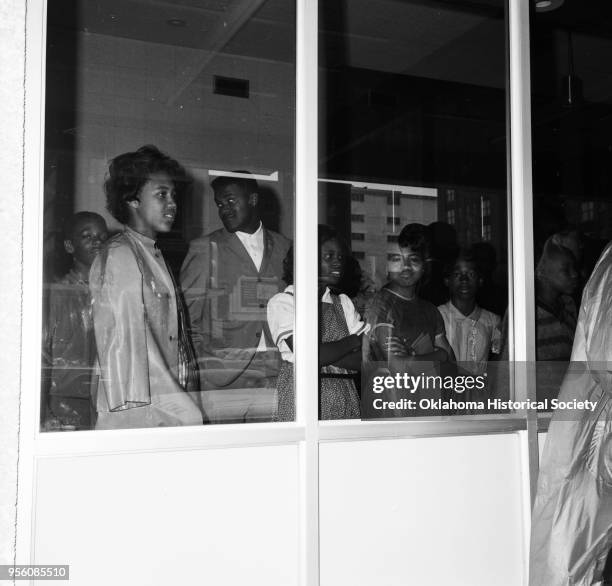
column 228, row 277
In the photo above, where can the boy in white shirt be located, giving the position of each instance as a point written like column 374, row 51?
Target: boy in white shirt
column 473, row 332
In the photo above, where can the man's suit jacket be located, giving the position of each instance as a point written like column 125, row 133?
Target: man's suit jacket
column 227, row 297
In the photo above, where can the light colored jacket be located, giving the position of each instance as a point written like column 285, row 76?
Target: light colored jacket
column 136, row 323
column 572, row 518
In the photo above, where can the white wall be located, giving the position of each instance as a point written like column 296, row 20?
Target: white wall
column 12, row 41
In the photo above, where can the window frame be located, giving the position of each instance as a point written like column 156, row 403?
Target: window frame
column 306, row 432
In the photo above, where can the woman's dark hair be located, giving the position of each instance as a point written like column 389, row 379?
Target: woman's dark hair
column 416, row 236
column 127, row 173
column 288, row 267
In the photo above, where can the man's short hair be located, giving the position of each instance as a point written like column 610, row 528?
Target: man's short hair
column 248, row 185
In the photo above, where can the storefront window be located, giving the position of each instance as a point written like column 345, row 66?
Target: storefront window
column 168, row 211
column 412, row 126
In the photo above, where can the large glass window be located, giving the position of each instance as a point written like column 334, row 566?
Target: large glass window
column 169, row 197
column 413, row 205
column 572, row 180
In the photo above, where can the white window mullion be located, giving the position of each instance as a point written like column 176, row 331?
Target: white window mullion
column 522, row 190
column 306, row 270
column 522, row 330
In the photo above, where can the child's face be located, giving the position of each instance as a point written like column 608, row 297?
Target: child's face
column 463, row 282
column 331, row 263
column 561, row 274
column 405, row 266
column 87, row 238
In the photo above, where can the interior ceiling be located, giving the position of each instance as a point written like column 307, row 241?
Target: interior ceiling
column 258, row 28
column 439, row 39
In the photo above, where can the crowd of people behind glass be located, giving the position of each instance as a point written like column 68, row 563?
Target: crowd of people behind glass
column 127, row 345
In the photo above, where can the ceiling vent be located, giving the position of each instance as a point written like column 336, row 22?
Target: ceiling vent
column 231, row 86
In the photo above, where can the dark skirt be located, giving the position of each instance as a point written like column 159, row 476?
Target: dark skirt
column 338, row 397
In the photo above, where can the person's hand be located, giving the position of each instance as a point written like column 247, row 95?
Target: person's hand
column 394, row 346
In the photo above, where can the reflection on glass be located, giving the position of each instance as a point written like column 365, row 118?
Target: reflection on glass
column 571, row 129
column 412, row 128
column 571, row 121
column 213, row 87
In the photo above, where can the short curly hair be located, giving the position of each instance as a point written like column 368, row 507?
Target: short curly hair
column 416, row 237
column 127, row 173
column 247, row 184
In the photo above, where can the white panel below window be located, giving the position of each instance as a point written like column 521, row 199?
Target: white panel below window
column 222, row 517
column 428, row 512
